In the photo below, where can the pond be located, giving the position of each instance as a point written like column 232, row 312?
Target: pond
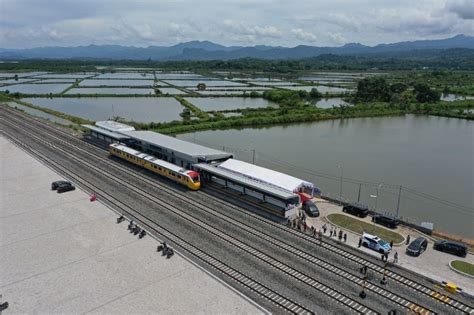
column 453, row 97
column 65, row 75
column 140, row 109
column 126, row 75
column 330, row 102
column 39, row 113
column 194, row 83
column 321, row 88
column 107, row 82
column 171, row 91
column 19, row 81
column 225, row 103
column 116, row 91
column 425, row 154
column 31, row 88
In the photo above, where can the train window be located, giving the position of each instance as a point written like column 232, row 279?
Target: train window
column 160, row 168
column 179, row 176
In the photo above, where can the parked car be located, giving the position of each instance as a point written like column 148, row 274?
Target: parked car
column 386, row 221
column 67, row 186
column 310, row 208
column 451, row 247
column 55, row 185
column 356, row 209
column 376, row 243
column 417, row 247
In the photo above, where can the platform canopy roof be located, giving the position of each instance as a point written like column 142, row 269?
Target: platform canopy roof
column 265, row 175
column 114, row 126
column 176, row 145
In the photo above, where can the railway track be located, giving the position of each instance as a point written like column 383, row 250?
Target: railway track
column 144, row 221
column 396, row 299
column 325, row 289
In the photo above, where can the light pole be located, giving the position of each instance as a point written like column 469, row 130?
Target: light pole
column 341, row 166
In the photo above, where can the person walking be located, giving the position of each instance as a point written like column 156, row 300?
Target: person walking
column 345, row 237
column 360, row 242
column 325, row 228
column 386, row 256
column 408, row 239
column 391, row 244
column 320, row 235
column 304, row 226
column 395, row 258
column 330, row 233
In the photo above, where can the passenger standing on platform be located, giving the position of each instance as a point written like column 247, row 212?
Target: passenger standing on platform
column 408, row 239
column 330, row 232
column 360, row 242
column 340, row 235
column 314, row 232
column 325, row 228
column 304, row 226
column 391, row 244
column 386, row 256
column 320, row 234
column 395, row 258
column 345, row 237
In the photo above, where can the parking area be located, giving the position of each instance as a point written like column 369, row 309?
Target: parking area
column 431, row 263
column 61, row 253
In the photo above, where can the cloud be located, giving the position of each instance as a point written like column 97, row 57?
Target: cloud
column 303, row 35
column 462, row 8
column 241, row 28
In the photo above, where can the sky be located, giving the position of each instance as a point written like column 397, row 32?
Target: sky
column 38, row 23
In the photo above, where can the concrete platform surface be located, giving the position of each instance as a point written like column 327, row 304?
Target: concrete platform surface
column 61, row 253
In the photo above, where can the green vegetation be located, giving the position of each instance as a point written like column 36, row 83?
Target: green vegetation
column 196, row 111
column 359, row 226
column 463, row 266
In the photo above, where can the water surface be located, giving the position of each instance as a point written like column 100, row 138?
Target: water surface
column 223, row 103
column 31, row 88
column 140, row 109
column 424, row 154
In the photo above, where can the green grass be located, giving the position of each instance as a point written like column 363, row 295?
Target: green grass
column 359, row 226
column 463, row 266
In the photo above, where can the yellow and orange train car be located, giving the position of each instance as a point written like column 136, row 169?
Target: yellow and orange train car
column 178, row 174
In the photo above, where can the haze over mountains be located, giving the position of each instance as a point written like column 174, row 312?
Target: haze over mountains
column 205, row 50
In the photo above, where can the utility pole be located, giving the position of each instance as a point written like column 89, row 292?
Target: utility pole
column 399, row 196
column 358, row 196
column 341, row 166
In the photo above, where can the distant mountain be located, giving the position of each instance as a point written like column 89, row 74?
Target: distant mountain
column 206, row 50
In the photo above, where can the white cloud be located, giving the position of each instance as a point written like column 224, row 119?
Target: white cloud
column 303, row 35
column 32, row 23
column 241, row 28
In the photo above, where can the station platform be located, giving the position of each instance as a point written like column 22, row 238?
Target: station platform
column 62, row 253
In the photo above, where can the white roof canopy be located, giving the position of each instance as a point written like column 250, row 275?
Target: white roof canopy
column 265, row 175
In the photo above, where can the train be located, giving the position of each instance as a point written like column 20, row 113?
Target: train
column 180, row 175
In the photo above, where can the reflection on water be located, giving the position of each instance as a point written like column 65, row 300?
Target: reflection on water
column 140, row 109
column 422, row 153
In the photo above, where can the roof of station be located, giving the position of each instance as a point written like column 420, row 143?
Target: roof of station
column 105, row 132
column 116, row 126
column 247, row 182
column 176, row 145
column 265, row 175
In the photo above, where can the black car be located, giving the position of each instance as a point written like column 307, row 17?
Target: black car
column 451, row 247
column 56, row 184
column 67, row 186
column 417, row 247
column 310, row 208
column 386, row 221
column 356, row 209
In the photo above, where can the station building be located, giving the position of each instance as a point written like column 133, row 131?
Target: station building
column 277, row 192
column 108, row 131
column 176, row 151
